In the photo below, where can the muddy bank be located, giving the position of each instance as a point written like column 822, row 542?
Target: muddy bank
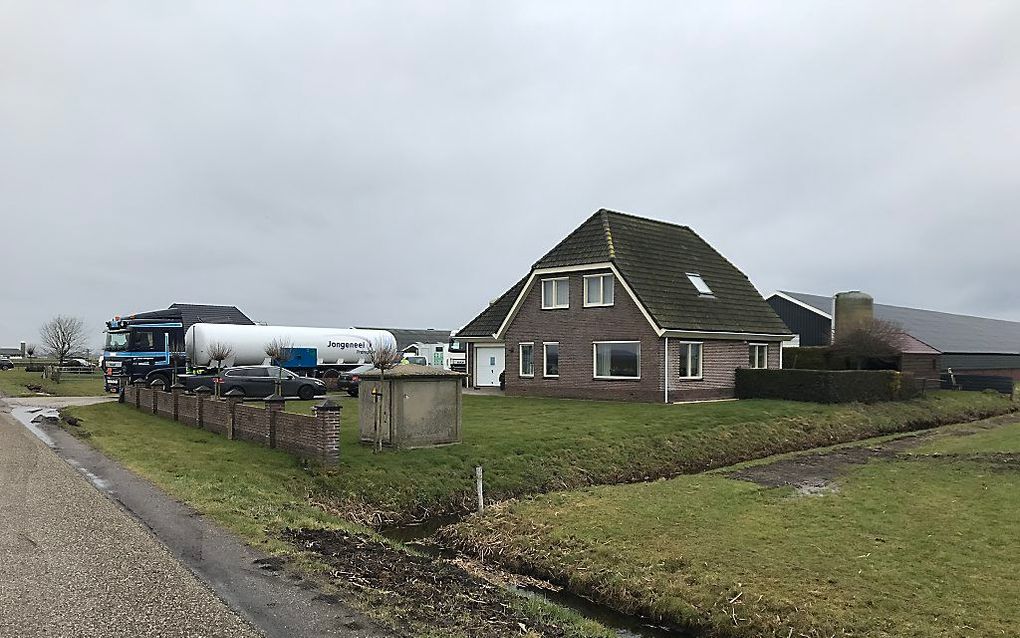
column 421, row 592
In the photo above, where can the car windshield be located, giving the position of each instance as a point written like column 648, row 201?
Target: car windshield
column 116, row 341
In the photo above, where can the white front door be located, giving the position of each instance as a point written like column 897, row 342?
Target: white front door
column 489, row 364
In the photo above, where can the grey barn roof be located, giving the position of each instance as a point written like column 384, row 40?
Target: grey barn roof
column 409, row 336
column 942, row 330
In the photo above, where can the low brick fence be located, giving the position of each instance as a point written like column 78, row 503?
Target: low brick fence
column 311, row 437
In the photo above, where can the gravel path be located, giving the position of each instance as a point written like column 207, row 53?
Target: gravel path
column 73, row 564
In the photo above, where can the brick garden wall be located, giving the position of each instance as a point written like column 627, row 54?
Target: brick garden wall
column 311, row 437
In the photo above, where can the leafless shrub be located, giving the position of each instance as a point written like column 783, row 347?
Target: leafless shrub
column 383, row 354
column 62, row 336
column 220, row 351
column 278, row 351
column 30, row 350
column 877, row 340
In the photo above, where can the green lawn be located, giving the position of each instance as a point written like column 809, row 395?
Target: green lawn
column 1002, row 439
column 918, row 548
column 537, row 445
column 12, row 384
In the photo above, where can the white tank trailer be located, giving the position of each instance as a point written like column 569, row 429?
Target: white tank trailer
column 335, row 348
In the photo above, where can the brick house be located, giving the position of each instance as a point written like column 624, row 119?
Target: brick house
column 625, row 308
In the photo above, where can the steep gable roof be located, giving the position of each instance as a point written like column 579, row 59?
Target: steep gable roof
column 944, row 331
column 654, row 259
column 489, row 320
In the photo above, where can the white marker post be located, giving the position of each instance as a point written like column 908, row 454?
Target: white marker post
column 478, row 484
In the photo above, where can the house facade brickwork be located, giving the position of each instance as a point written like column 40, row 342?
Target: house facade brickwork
column 668, row 287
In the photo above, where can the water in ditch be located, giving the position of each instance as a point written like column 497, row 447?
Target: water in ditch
column 623, row 625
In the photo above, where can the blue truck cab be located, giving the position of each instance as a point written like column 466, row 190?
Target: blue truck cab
column 150, row 345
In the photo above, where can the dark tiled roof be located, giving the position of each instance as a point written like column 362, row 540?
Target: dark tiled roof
column 942, row 330
column 189, row 314
column 204, row 313
column 489, row 320
column 408, row 336
column 654, row 258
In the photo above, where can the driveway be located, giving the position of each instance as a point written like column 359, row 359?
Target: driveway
column 73, row 564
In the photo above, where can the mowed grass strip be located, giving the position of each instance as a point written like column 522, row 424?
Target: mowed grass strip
column 13, row 382
column 917, row 548
column 529, row 446
column 257, row 493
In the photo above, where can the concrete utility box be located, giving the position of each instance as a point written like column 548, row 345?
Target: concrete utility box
column 421, row 406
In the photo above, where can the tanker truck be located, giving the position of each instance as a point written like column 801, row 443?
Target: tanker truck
column 319, row 352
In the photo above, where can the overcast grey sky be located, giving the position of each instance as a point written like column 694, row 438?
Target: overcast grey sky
column 400, row 164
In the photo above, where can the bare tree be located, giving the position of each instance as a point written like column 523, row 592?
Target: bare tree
column 30, row 350
column 876, row 342
column 383, row 354
column 63, row 335
column 278, row 350
column 219, row 351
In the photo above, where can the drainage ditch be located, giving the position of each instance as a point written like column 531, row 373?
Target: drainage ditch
column 623, row 625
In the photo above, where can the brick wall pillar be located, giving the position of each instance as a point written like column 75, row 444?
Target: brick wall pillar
column 138, row 385
column 154, row 389
column 121, row 389
column 274, row 406
column 327, row 418
column 233, row 398
column 176, row 390
column 202, row 394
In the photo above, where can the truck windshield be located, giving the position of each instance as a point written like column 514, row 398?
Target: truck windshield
column 116, row 341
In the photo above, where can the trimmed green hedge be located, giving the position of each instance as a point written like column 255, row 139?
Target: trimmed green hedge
column 825, row 386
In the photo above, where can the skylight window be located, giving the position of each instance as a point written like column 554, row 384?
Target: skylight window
column 699, row 283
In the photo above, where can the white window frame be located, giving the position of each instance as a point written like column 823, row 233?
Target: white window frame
column 701, row 361
column 751, row 348
column 595, row 361
column 545, row 359
column 520, row 359
column 602, row 303
column 556, row 305
column 698, row 282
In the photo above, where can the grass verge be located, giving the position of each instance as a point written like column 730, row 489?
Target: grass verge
column 529, row 446
column 913, row 547
column 13, row 384
column 259, row 493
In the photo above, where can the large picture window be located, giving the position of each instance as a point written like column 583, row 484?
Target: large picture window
column 758, row 355
column 552, row 360
column 555, row 293
column 690, row 361
column 598, row 290
column 527, row 359
column 617, row 359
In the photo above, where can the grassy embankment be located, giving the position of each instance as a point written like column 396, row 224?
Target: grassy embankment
column 916, row 546
column 13, row 384
column 528, row 446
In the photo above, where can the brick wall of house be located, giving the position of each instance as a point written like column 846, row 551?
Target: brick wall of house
column 575, row 329
column 721, row 358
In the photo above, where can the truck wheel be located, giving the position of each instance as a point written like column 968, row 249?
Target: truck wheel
column 162, row 381
column 306, row 393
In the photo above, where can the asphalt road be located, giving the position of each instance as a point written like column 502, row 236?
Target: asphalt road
column 127, row 559
column 73, row 564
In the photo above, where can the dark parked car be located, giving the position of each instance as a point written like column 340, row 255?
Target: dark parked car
column 6, row 364
column 257, row 382
column 351, row 379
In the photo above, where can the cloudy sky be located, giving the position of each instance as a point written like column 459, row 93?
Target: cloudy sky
column 400, row 164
